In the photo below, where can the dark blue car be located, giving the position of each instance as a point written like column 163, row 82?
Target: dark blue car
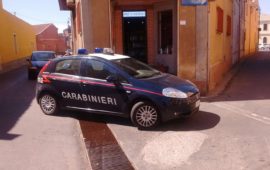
column 36, row 61
column 115, row 85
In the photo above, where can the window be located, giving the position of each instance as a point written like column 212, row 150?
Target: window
column 265, row 40
column 165, row 32
column 96, row 69
column 219, row 20
column 42, row 56
column 136, row 68
column 71, row 67
column 229, row 25
column 265, row 27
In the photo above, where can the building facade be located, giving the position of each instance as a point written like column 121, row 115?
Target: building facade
column 48, row 39
column 68, row 37
column 252, row 20
column 17, row 40
column 196, row 40
column 264, row 38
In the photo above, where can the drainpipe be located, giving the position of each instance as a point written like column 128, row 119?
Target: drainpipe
column 178, row 39
column 110, row 21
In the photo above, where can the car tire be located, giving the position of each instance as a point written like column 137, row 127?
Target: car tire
column 145, row 115
column 30, row 76
column 48, row 104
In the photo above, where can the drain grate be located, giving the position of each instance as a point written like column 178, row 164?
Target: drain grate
column 103, row 149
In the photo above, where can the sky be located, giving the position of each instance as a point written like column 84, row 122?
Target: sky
column 47, row 11
column 38, row 12
column 265, row 6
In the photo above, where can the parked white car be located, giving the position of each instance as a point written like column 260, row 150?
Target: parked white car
column 264, row 47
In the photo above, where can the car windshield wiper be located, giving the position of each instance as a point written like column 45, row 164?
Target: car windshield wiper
column 147, row 75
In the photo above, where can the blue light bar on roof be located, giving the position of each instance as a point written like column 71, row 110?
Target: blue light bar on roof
column 104, row 50
column 98, row 50
column 82, row 51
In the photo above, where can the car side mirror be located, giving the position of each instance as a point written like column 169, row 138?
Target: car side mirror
column 113, row 79
column 28, row 59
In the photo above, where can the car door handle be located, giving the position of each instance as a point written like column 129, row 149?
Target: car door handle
column 83, row 83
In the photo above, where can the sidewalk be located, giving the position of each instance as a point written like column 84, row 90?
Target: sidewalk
column 30, row 140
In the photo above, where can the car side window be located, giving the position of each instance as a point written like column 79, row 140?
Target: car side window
column 96, row 69
column 99, row 70
column 71, row 67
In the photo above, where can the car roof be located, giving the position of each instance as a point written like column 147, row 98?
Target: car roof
column 43, row 52
column 108, row 56
column 96, row 55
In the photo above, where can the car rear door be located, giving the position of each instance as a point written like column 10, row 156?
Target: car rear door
column 67, row 82
column 102, row 95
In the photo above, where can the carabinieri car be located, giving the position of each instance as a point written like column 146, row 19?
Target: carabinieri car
column 116, row 85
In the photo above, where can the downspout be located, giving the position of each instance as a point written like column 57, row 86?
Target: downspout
column 178, row 38
column 208, row 51
column 110, row 20
column 82, row 26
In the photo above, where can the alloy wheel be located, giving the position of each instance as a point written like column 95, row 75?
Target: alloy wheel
column 48, row 104
column 146, row 116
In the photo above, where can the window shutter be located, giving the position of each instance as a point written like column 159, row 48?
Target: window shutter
column 219, row 20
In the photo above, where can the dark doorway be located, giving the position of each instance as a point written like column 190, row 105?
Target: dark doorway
column 135, row 36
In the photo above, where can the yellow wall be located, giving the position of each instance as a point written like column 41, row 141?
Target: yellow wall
column 220, row 55
column 10, row 27
column 251, row 25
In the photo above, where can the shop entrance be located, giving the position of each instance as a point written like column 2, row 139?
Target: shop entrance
column 134, row 34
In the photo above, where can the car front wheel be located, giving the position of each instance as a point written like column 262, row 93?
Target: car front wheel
column 48, row 104
column 145, row 115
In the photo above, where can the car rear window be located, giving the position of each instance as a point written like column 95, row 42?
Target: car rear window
column 71, row 67
column 42, row 56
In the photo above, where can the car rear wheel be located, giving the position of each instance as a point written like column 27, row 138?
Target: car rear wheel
column 31, row 76
column 145, row 115
column 48, row 104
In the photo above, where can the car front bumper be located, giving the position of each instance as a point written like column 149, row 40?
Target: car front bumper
column 175, row 108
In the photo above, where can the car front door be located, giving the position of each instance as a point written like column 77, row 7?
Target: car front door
column 102, row 95
column 67, row 82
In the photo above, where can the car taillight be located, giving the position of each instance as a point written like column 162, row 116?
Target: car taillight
column 43, row 79
column 45, row 67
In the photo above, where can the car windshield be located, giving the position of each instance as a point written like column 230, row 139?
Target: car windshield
column 136, row 68
column 42, row 56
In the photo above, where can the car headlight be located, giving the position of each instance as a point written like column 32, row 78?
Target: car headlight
column 174, row 93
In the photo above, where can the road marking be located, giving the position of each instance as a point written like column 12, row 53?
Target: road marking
column 246, row 113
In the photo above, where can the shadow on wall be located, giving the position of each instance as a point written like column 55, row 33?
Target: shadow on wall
column 251, row 81
column 16, row 93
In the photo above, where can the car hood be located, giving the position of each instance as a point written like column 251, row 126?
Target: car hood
column 38, row 64
column 158, row 83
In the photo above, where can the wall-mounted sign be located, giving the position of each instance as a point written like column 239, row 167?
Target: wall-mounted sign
column 183, row 22
column 194, row 2
column 135, row 14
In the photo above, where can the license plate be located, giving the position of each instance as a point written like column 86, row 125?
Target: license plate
column 197, row 104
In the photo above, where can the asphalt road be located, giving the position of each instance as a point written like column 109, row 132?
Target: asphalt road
column 29, row 139
column 232, row 130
